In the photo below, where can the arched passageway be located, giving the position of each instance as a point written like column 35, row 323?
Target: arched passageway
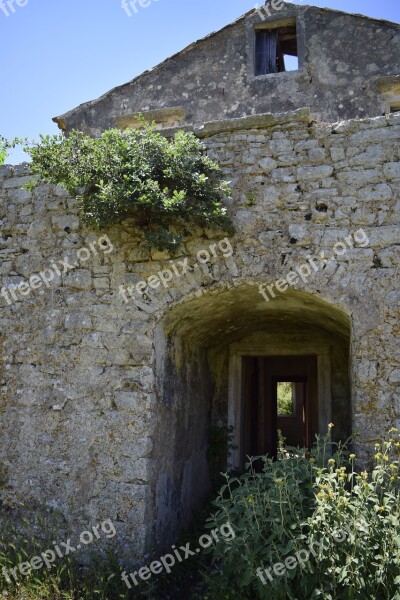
column 222, row 361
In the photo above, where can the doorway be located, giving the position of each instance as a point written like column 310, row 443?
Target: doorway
column 201, row 346
column 278, row 393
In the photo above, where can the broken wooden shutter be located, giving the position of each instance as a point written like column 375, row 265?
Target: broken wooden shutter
column 266, row 52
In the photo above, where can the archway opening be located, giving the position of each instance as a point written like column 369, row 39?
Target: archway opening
column 220, row 361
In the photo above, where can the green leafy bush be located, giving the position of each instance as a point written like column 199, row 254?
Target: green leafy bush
column 366, row 564
column 6, row 145
column 165, row 186
column 337, row 530
column 3, row 152
column 68, row 578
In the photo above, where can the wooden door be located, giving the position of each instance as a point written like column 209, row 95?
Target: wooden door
column 279, row 392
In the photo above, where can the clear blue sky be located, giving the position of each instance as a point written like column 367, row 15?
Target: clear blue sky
column 57, row 54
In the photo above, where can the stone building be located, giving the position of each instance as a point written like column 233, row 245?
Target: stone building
column 114, row 386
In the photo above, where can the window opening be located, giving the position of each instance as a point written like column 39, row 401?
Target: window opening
column 276, row 50
column 286, row 398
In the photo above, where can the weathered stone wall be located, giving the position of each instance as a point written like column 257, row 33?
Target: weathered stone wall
column 343, row 60
column 106, row 404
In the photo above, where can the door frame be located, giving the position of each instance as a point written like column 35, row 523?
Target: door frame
column 235, row 394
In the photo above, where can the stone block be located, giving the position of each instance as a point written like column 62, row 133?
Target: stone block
column 337, row 154
column 78, row 321
column 374, row 136
column 314, row 173
column 16, row 182
column 19, row 196
column 267, row 164
column 392, row 170
column 379, row 192
column 136, row 469
column 317, row 155
column 131, row 401
column 358, row 177
column 65, row 222
column 383, row 236
column 79, row 279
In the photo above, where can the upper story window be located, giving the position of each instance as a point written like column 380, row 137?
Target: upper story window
column 389, row 92
column 276, row 48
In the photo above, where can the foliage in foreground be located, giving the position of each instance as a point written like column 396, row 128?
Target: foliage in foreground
column 342, row 528
column 67, row 579
column 91, row 575
column 315, row 503
column 6, row 145
column 164, row 186
column 3, row 152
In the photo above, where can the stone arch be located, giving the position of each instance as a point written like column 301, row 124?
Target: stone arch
column 199, row 347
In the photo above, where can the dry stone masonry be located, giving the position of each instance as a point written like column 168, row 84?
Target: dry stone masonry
column 106, row 406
